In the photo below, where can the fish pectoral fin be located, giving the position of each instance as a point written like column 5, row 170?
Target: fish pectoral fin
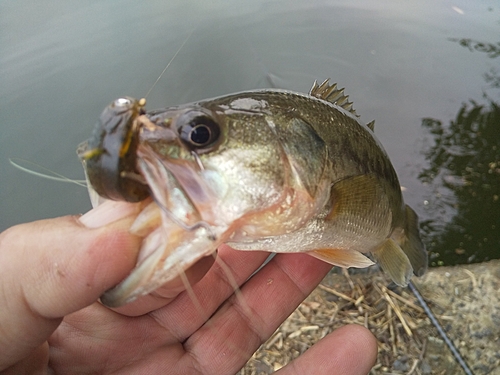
column 342, row 258
column 360, row 207
column 412, row 244
column 394, row 262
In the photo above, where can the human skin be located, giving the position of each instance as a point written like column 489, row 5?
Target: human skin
column 53, row 272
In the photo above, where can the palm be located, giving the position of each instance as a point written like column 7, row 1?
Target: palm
column 214, row 333
column 207, row 329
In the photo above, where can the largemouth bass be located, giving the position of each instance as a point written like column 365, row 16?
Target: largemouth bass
column 266, row 170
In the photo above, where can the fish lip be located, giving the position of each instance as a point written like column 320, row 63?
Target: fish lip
column 181, row 211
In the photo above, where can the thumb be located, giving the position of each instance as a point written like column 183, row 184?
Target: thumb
column 51, row 268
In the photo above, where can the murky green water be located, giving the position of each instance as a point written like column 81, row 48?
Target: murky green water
column 427, row 72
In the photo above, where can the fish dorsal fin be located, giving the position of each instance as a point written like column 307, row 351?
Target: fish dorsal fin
column 332, row 94
column 371, row 125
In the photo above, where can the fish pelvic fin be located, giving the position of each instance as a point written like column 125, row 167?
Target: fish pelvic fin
column 342, row 257
column 412, row 245
column 332, row 94
column 404, row 252
column 394, row 262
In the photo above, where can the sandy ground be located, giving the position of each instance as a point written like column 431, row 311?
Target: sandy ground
column 465, row 300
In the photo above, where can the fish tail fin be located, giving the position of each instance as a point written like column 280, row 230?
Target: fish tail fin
column 412, row 245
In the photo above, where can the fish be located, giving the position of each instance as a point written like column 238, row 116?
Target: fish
column 268, row 169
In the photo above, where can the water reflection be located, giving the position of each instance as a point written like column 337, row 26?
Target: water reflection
column 61, row 64
column 465, row 173
column 492, row 50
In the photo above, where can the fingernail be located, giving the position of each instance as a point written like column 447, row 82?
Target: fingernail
column 109, row 212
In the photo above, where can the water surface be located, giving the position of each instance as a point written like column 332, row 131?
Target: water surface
column 404, row 64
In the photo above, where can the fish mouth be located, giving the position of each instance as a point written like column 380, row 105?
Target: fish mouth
column 180, row 214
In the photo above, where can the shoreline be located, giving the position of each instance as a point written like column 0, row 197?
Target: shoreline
column 465, row 299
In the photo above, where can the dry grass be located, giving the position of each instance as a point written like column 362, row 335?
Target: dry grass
column 408, row 343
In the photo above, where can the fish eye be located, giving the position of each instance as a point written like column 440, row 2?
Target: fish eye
column 123, row 102
column 198, row 131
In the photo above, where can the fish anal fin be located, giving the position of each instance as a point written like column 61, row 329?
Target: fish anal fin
column 342, row 257
column 411, row 243
column 394, row 262
column 332, row 94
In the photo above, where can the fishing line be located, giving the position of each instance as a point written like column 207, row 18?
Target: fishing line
column 59, row 178
column 237, row 293
column 192, row 295
column 440, row 329
column 170, row 62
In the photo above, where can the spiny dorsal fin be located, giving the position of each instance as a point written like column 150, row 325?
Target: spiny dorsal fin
column 371, row 125
column 332, row 94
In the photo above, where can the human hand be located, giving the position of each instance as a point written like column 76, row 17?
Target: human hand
column 53, row 272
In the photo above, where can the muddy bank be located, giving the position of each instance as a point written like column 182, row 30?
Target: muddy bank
column 465, row 300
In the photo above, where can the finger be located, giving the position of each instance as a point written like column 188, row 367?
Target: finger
column 36, row 363
column 51, row 268
column 191, row 309
column 237, row 329
column 110, row 212
column 159, row 331
column 350, row 350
